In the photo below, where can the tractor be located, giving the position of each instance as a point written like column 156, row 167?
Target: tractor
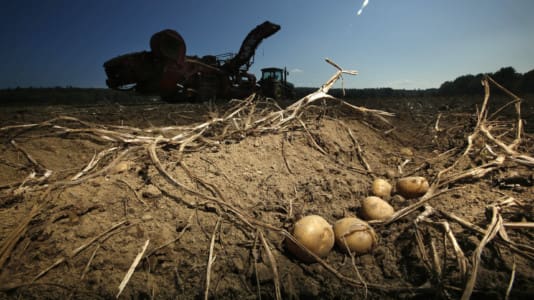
column 274, row 84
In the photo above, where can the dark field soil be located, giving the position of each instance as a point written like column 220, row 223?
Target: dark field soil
column 237, row 191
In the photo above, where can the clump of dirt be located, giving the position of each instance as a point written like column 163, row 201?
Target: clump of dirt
column 212, row 191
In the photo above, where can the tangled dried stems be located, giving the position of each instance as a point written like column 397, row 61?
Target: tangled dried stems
column 246, row 119
column 503, row 148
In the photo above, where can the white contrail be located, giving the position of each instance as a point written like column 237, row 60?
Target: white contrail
column 365, row 2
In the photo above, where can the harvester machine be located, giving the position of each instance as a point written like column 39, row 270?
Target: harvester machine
column 167, row 71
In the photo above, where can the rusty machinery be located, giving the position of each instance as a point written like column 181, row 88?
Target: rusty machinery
column 167, row 71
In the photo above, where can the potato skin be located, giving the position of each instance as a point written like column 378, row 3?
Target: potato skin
column 381, row 188
column 374, row 208
column 314, row 233
column 356, row 234
column 412, row 187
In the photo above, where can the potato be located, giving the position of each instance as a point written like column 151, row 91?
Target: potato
column 314, row 233
column 374, row 208
column 354, row 234
column 412, row 187
column 381, row 188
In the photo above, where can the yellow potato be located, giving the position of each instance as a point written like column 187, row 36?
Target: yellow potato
column 354, row 234
column 381, row 188
column 314, row 233
column 374, row 208
column 412, row 187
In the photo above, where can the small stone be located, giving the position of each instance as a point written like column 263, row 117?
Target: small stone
column 405, row 151
column 147, row 217
column 391, row 173
column 151, row 192
column 318, row 166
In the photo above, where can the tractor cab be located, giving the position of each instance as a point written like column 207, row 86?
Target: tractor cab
column 273, row 83
column 274, row 74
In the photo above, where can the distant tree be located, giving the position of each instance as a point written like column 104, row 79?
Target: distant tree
column 463, row 83
column 446, row 88
column 508, row 77
column 527, row 84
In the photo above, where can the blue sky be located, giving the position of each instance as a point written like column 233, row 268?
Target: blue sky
column 393, row 43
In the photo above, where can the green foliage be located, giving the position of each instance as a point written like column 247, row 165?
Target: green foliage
column 471, row 84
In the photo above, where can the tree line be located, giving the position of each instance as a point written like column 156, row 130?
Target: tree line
column 507, row 77
column 462, row 85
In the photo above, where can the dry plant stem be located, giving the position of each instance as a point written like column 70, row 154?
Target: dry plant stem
column 422, row 250
column 91, row 241
column 436, row 126
column 40, row 168
column 94, row 161
column 79, row 249
column 359, row 152
column 284, row 156
column 482, row 126
column 517, row 102
column 519, row 225
column 435, row 260
column 273, row 264
column 430, row 194
column 524, row 250
column 477, row 172
column 55, row 264
column 86, row 269
column 510, row 285
column 353, row 261
column 421, row 243
column 460, row 256
column 255, row 258
column 491, row 232
column 278, row 118
column 173, row 240
column 509, row 149
column 211, row 259
column 11, row 240
column 220, row 201
column 312, row 140
column 130, row 187
column 132, row 269
column 66, row 183
column 197, row 130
